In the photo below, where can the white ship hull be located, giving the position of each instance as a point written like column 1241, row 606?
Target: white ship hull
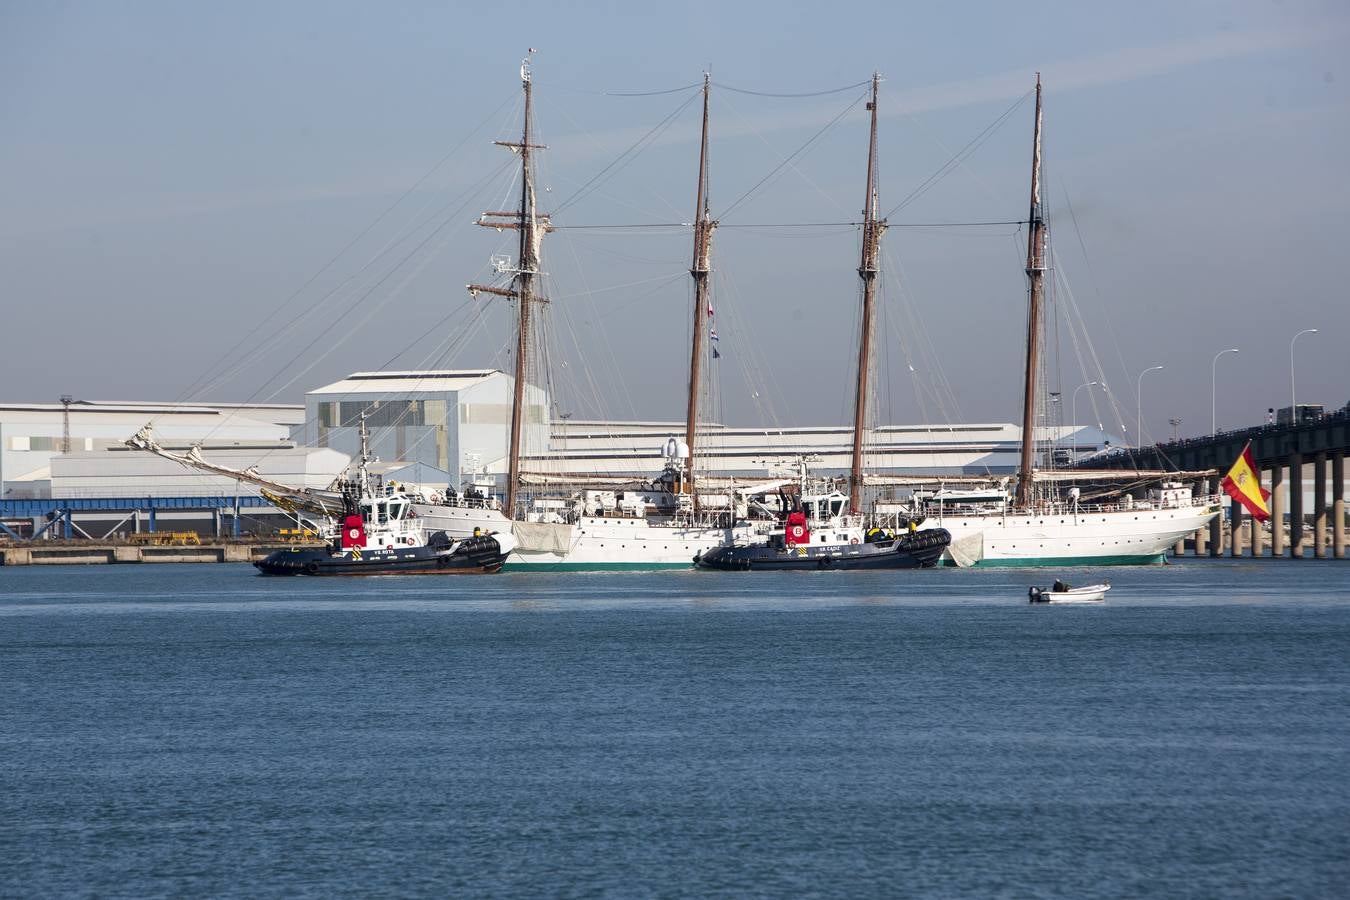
column 593, row 543
column 1124, row 536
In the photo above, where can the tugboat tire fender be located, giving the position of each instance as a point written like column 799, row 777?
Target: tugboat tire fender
column 312, row 567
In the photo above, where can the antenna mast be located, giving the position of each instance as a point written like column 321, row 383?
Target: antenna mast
column 1036, row 294
column 532, row 227
column 66, row 400
column 873, row 229
column 703, row 230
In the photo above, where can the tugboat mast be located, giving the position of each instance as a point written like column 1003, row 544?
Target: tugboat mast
column 703, row 230
column 1036, row 294
column 362, row 470
column 873, row 229
column 532, row 227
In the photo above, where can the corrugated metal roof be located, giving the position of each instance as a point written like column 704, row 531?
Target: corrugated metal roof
column 407, row 382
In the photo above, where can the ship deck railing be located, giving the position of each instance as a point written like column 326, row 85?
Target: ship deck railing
column 1060, row 508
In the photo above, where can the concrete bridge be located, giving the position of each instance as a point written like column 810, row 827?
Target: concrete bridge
column 1281, row 452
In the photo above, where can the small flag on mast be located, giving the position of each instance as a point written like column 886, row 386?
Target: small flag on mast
column 1243, row 484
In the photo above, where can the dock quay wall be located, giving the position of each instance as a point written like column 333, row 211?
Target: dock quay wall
column 85, row 553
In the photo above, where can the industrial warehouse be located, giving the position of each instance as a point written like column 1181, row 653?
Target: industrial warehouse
column 66, row 471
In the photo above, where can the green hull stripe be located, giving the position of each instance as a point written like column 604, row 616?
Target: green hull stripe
column 513, row 566
column 1045, row 561
column 1033, row 562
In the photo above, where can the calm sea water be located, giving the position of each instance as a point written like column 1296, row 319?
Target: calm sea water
column 187, row 730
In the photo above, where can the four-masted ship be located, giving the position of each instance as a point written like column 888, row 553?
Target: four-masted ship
column 680, row 517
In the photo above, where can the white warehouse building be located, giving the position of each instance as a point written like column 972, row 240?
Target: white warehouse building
column 443, row 426
column 457, row 421
column 32, row 434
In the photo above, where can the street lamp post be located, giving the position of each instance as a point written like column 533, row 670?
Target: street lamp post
column 1139, row 404
column 1073, row 404
column 1293, row 401
column 1214, row 389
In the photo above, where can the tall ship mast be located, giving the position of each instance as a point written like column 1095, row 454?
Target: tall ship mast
column 1060, row 528
column 1036, row 295
column 873, row 229
column 531, row 226
column 643, row 524
column 703, row 231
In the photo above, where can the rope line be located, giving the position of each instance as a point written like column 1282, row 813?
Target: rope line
column 210, row 372
column 838, row 90
column 798, row 152
column 957, row 158
column 687, row 87
column 619, row 227
column 627, row 155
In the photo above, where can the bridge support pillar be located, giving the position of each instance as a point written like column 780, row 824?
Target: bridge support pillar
column 1201, row 534
column 1258, row 533
column 1235, row 530
column 1338, row 504
column 1277, row 510
column 1216, row 523
column 1296, row 541
column 1320, row 506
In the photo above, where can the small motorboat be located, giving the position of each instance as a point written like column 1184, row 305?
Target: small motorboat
column 1063, row 593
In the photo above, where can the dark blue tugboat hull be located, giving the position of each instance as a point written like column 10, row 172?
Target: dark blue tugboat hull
column 475, row 556
column 913, row 551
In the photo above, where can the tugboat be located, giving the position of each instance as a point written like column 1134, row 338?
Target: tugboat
column 838, row 541
column 378, row 534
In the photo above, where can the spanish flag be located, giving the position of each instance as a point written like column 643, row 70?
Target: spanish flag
column 1243, row 484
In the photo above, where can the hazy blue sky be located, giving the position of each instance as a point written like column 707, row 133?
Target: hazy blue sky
column 171, row 173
